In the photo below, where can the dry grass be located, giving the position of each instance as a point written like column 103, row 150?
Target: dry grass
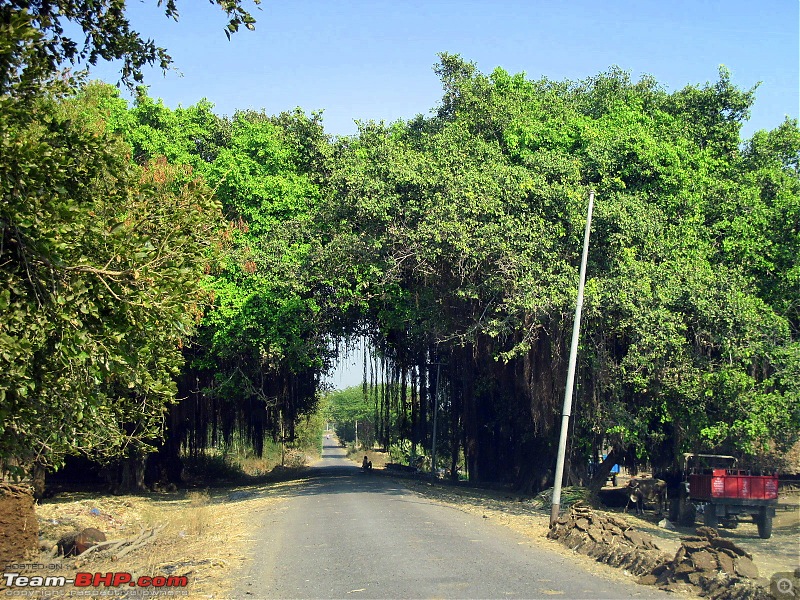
column 378, row 458
column 206, row 535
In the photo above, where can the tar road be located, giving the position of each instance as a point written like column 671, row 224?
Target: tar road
column 348, row 534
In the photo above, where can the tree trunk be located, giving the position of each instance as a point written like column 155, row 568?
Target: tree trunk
column 603, row 470
column 38, row 475
column 128, row 476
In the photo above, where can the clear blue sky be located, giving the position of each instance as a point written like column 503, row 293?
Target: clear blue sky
column 362, row 59
column 373, row 59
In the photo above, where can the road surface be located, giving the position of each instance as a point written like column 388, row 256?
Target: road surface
column 354, row 535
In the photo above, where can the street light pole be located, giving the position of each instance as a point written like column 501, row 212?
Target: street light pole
column 567, row 410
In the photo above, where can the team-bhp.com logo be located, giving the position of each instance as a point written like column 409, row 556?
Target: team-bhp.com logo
column 85, row 580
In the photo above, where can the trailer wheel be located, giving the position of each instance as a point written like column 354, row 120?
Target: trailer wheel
column 764, row 525
column 710, row 516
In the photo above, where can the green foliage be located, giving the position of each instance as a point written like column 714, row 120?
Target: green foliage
column 267, row 315
column 263, row 341
column 101, row 261
column 463, row 231
column 41, row 40
column 347, row 407
column 451, row 240
column 308, row 433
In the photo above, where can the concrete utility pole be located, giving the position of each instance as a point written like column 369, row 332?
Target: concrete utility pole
column 567, row 410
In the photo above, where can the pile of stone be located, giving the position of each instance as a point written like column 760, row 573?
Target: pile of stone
column 716, row 565
column 706, row 564
column 608, row 539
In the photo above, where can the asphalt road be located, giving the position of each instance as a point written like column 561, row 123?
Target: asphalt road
column 348, row 534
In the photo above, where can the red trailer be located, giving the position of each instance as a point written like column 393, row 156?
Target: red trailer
column 714, row 484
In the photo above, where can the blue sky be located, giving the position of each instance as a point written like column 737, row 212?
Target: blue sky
column 373, row 59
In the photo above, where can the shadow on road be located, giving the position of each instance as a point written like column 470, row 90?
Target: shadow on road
column 333, row 474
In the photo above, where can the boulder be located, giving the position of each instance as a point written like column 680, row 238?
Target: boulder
column 725, row 563
column 75, row 543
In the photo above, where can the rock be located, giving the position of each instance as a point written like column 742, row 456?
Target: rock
column 723, row 543
column 88, row 538
column 677, row 587
column 725, row 563
column 746, row 568
column 695, row 546
column 660, row 569
column 708, row 533
column 78, row 542
column 665, row 524
column 695, row 578
column 693, row 538
column 648, row 579
column 619, row 523
column 684, row 568
column 635, row 537
column 66, row 543
column 704, row 561
column 596, row 534
column 665, row 577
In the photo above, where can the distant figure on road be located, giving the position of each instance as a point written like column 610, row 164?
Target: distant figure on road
column 366, row 464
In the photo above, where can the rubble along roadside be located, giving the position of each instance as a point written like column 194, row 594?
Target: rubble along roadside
column 705, row 563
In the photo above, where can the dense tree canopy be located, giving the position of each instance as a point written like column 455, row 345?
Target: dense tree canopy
column 263, row 341
column 472, row 221
column 216, row 261
column 100, row 261
column 100, row 257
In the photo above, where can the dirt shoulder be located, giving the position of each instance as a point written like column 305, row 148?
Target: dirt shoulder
column 200, row 535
